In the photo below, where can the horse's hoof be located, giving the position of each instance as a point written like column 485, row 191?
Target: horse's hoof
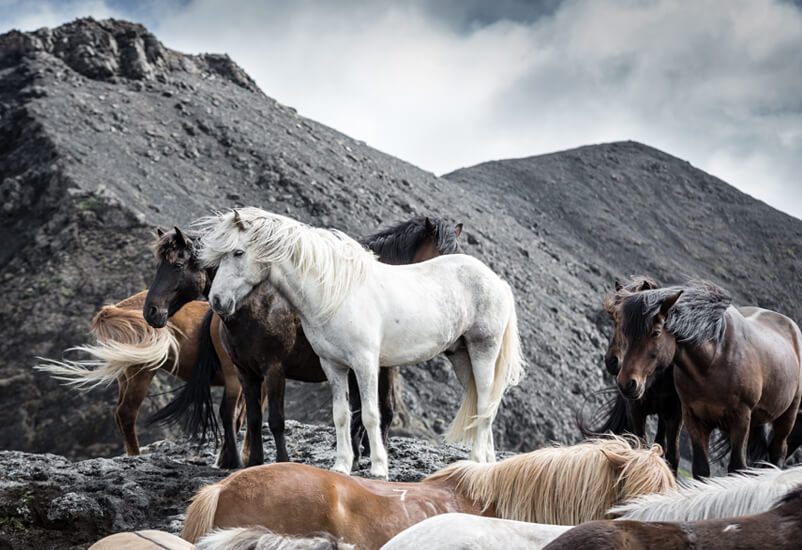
column 341, row 468
column 378, row 472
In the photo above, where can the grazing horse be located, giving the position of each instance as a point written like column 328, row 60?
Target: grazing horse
column 780, row 529
column 750, row 491
column 259, row 538
column 660, row 398
column 265, row 339
column 130, row 352
column 361, row 314
column 470, row 532
column 148, row 539
column 732, row 371
column 562, row 485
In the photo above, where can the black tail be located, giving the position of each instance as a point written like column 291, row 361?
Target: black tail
column 193, row 408
column 757, row 449
column 610, row 417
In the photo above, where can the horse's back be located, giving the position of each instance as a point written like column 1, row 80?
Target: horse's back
column 142, row 540
column 780, row 333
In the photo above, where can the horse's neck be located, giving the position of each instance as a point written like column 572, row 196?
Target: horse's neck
column 302, row 294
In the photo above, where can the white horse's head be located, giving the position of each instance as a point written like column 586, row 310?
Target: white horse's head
column 314, row 268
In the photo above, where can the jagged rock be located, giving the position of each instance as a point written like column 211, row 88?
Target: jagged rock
column 50, row 502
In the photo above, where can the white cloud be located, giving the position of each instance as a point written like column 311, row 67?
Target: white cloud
column 716, row 82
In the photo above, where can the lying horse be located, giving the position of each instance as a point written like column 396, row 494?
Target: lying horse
column 148, row 539
column 660, row 398
column 363, row 315
column 130, row 352
column 259, row 538
column 733, row 371
column 751, row 491
column 561, row 485
column 265, row 338
column 467, row 531
column 779, row 528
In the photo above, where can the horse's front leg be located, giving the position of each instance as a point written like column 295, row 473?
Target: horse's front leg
column 357, row 431
column 368, row 378
column 229, row 458
column 252, row 389
column 387, row 402
column 131, row 394
column 739, row 438
column 637, row 420
column 338, row 380
column 700, row 440
column 673, row 424
column 276, row 383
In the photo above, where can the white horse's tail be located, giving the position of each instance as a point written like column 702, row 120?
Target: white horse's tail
column 508, row 372
column 124, row 340
column 260, row 538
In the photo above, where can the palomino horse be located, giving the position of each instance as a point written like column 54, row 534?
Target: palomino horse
column 130, row 352
column 750, row 491
column 265, row 338
column 660, row 398
column 148, row 539
column 468, row 532
column 259, row 538
column 732, row 371
column 561, row 485
column 361, row 314
column 780, row 528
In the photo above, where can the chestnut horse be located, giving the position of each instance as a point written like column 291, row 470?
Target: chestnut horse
column 560, row 485
column 660, row 398
column 733, row 371
column 130, row 352
column 265, row 339
column 778, row 529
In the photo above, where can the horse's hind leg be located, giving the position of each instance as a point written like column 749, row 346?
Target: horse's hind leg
column 131, row 393
column 276, row 382
column 483, row 365
column 778, row 449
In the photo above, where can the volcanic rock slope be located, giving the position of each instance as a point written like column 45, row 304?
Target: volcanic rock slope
column 105, row 133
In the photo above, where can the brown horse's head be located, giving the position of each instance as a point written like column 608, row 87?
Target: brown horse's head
column 179, row 278
column 649, row 345
column 415, row 240
column 615, row 349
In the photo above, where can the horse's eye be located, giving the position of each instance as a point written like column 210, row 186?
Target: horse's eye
column 238, row 253
column 655, row 333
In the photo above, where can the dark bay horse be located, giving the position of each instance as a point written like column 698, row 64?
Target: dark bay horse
column 660, row 398
column 778, row 529
column 130, row 352
column 733, row 370
column 265, row 339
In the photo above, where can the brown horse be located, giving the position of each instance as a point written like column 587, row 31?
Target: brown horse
column 265, row 339
column 660, row 398
column 778, row 529
column 130, row 352
column 560, row 485
column 733, row 371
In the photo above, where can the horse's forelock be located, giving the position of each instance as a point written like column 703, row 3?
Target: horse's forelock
column 166, row 245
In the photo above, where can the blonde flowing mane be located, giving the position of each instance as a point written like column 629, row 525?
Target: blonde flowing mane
column 330, row 258
column 563, row 485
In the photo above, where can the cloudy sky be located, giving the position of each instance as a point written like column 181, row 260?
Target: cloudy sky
column 451, row 83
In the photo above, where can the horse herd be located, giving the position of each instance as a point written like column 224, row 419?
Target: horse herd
column 286, row 300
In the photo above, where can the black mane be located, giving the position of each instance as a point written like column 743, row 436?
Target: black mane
column 697, row 317
column 399, row 243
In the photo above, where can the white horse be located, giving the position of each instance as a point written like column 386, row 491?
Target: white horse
column 361, row 314
column 749, row 492
column 470, row 532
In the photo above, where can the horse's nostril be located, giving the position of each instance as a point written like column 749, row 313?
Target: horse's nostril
column 216, row 303
column 631, row 385
column 612, row 364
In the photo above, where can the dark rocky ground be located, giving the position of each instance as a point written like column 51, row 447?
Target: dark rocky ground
column 105, row 134
column 50, row 502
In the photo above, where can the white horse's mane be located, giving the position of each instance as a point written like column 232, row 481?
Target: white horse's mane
column 752, row 491
column 332, row 259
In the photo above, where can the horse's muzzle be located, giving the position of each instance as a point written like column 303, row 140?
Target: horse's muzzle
column 156, row 316
column 631, row 389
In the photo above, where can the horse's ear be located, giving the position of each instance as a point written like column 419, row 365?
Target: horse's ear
column 159, row 232
column 458, row 229
column 618, row 287
column 669, row 302
column 647, row 284
column 180, row 239
column 238, row 221
column 430, row 228
column 616, row 459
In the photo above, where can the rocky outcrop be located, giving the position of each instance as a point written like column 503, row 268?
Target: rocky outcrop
column 50, row 502
column 105, row 134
